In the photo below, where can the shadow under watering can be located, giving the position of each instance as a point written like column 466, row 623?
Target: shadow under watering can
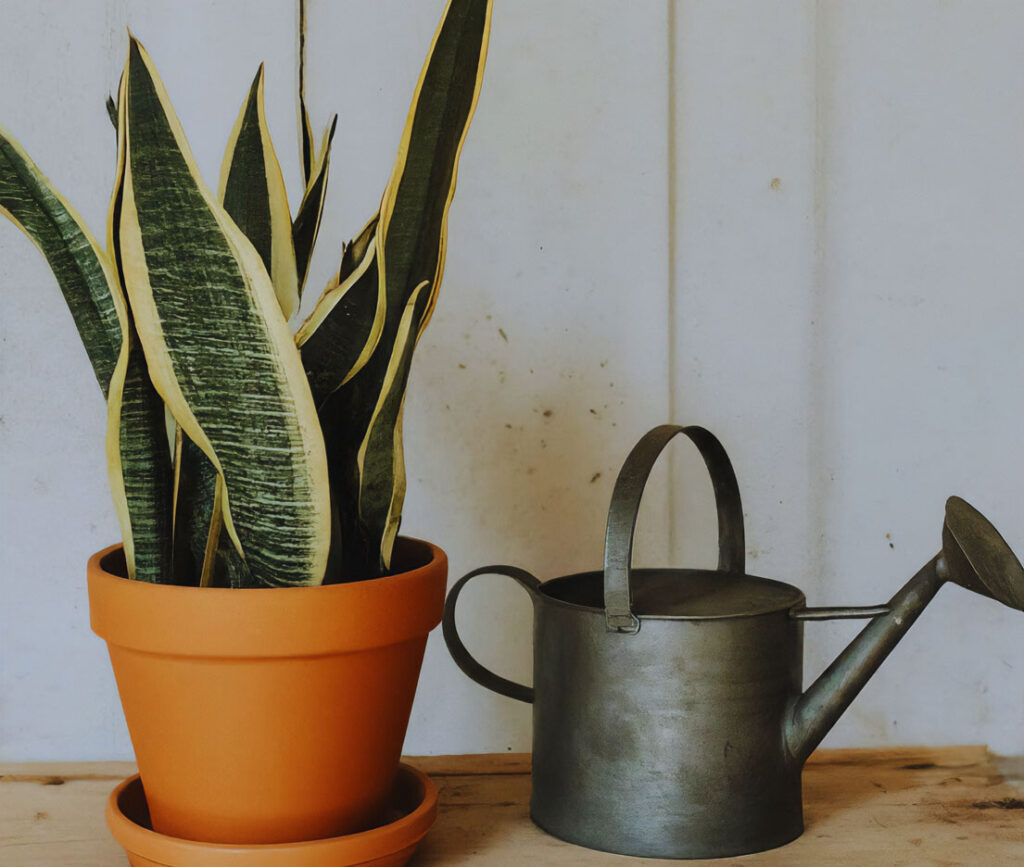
column 668, row 718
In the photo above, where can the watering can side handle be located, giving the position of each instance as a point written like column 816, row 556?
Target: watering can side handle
column 463, row 658
column 625, row 505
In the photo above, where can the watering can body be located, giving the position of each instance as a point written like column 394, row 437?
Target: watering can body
column 667, row 742
column 668, row 717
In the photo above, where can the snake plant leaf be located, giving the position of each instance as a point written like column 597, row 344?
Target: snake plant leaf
column 414, row 213
column 381, row 457
column 139, row 466
column 331, row 361
column 213, row 535
column 339, row 337
column 307, row 220
column 305, row 134
column 362, row 419
column 112, row 111
column 220, row 564
column 203, row 554
column 217, row 345
column 352, row 253
column 138, row 460
column 363, row 424
column 191, row 491
column 83, row 270
column 253, row 192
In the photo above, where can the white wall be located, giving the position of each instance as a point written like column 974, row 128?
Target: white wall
column 797, row 223
column 848, row 279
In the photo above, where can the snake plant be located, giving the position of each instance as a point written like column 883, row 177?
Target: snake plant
column 286, row 464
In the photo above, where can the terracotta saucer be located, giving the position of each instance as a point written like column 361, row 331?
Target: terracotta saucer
column 414, row 805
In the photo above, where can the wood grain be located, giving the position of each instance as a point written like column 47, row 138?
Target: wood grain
column 903, row 806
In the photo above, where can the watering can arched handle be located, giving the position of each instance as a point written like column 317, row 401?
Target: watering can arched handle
column 625, row 504
column 463, row 658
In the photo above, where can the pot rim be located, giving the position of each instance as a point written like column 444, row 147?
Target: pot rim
column 348, row 849
column 219, row 622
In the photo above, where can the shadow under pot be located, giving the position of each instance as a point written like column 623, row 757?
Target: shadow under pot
column 668, row 717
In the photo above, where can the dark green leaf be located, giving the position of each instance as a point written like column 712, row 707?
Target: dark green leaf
column 196, row 483
column 253, row 193
column 362, row 419
column 138, row 457
column 341, row 335
column 307, row 221
column 82, row 269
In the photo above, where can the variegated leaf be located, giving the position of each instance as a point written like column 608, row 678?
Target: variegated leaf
column 307, row 221
column 341, row 334
column 218, row 348
column 253, row 192
column 138, row 459
column 381, row 458
column 367, row 461
column 414, row 214
column 82, row 269
column 305, row 137
column 228, row 569
column 362, row 438
column 196, row 559
column 87, row 278
column 139, row 466
column 192, row 497
column 112, row 111
column 354, row 251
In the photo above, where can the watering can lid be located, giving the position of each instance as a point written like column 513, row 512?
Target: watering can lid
column 684, row 594
column 691, row 593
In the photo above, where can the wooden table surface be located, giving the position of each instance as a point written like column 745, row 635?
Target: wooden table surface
column 906, row 806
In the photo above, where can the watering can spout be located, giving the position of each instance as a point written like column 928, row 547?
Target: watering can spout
column 973, row 555
column 816, row 711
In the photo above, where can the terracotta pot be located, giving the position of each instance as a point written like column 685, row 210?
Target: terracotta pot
column 268, row 715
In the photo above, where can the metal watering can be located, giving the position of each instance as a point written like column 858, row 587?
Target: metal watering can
column 668, row 718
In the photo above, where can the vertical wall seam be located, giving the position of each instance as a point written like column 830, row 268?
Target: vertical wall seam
column 116, row 12
column 300, row 61
column 818, row 427
column 671, row 223
column 301, row 51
